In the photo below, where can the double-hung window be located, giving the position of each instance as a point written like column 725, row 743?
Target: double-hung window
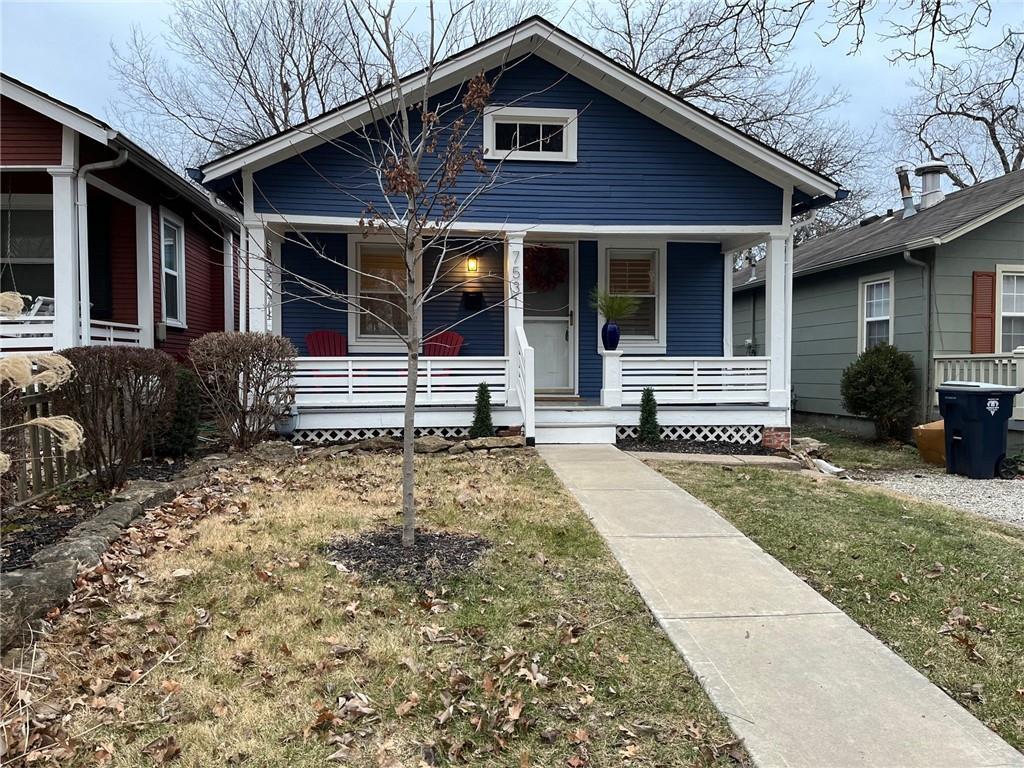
column 381, row 281
column 172, row 268
column 633, row 272
column 876, row 312
column 1011, row 309
column 514, row 133
column 26, row 250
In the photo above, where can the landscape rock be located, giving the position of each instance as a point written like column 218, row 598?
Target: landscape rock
column 28, row 594
column 481, row 443
column 431, row 444
column 152, row 493
column 501, row 451
column 273, row 450
column 84, row 550
column 382, row 443
column 210, row 463
column 458, row 448
column 810, row 446
column 330, row 451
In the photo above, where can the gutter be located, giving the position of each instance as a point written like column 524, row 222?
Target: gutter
column 82, row 207
column 926, row 285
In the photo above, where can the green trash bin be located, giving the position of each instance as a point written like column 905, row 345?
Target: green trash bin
column 976, row 417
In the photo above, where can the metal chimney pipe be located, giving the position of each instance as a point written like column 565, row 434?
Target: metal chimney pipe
column 903, row 174
column 931, row 182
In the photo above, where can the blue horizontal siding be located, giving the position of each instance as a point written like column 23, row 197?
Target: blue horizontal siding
column 483, row 331
column 694, row 305
column 631, row 170
column 590, row 374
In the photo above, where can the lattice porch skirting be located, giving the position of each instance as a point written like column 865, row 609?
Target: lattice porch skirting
column 743, row 435
column 321, row 436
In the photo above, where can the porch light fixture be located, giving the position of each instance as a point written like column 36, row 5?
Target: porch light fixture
column 472, row 264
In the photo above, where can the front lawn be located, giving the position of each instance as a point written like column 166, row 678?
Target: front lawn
column 851, row 451
column 243, row 645
column 944, row 589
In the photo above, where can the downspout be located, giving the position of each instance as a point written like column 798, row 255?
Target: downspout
column 82, row 204
column 926, row 374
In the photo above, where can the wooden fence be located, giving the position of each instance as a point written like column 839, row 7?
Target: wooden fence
column 38, row 464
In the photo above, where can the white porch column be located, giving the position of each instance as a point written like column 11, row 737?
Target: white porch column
column 258, row 279
column 611, row 379
column 777, row 314
column 65, row 260
column 229, row 279
column 144, row 273
column 513, row 306
column 1018, row 401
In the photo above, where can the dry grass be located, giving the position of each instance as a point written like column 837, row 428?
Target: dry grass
column 274, row 640
column 943, row 589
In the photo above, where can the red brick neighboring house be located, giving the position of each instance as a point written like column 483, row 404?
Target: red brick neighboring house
column 108, row 244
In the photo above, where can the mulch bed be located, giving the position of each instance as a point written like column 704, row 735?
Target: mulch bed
column 695, row 446
column 162, row 470
column 27, row 529
column 434, row 558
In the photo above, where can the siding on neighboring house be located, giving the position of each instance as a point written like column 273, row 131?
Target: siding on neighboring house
column 998, row 242
column 27, row 137
column 825, row 316
column 630, row 170
column 748, row 313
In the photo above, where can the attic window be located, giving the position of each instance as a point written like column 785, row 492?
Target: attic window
column 530, row 134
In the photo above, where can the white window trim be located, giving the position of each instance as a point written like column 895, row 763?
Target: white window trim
column 568, row 118
column 175, row 220
column 636, row 345
column 1004, row 269
column 889, row 277
column 356, row 342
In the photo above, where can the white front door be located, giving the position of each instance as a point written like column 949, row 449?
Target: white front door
column 548, row 301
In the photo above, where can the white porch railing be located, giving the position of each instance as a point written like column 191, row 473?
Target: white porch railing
column 686, row 380
column 103, row 333
column 1005, row 369
column 325, row 382
column 521, row 380
column 26, row 334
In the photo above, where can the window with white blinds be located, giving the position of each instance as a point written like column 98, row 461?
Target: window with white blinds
column 634, row 272
column 1011, row 315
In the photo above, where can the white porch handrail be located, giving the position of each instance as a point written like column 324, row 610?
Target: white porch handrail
column 521, row 376
column 326, row 382
column 696, row 380
column 106, row 333
column 26, row 333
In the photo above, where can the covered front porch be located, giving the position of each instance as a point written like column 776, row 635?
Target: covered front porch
column 80, row 254
column 522, row 311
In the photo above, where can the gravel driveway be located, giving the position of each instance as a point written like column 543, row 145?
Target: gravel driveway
column 1001, row 500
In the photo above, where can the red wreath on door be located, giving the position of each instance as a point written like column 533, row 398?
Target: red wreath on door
column 545, row 268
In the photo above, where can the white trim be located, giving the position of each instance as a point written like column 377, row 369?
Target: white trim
column 981, row 221
column 276, row 307
column 882, row 277
column 228, row 246
column 639, row 346
column 566, row 118
column 727, row 305
column 181, row 321
column 51, row 109
column 552, row 44
column 1004, row 269
column 356, row 342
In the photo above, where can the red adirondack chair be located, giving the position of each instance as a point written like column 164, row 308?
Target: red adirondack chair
column 445, row 344
column 326, row 344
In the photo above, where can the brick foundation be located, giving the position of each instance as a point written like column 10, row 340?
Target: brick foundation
column 775, row 438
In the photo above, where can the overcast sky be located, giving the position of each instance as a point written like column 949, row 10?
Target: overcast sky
column 63, row 48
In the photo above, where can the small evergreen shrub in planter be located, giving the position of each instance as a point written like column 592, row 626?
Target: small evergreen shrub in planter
column 180, row 438
column 880, row 385
column 121, row 396
column 482, row 426
column 245, row 379
column 649, row 431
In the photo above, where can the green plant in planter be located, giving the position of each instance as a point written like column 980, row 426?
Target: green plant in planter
column 649, row 431
column 482, row 426
column 613, row 308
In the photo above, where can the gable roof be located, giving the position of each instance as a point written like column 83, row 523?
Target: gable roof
column 538, row 36
column 102, row 133
column 958, row 214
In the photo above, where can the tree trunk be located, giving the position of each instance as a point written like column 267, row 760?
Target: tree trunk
column 409, row 424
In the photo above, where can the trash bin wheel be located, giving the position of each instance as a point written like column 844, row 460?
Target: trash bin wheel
column 1008, row 468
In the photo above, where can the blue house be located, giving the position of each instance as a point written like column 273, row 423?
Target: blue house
column 607, row 182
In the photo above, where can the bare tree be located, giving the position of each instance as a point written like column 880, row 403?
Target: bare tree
column 416, row 147
column 968, row 115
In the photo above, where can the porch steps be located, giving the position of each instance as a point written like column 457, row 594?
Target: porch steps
column 575, row 432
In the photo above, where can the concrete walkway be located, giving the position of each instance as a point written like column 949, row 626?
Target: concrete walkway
column 800, row 682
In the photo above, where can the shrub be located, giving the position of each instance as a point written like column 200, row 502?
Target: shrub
column 880, row 385
column 120, row 396
column 613, row 308
column 649, row 431
column 482, row 426
column 245, row 379
column 180, row 438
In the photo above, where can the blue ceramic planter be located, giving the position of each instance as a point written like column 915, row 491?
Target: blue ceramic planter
column 610, row 336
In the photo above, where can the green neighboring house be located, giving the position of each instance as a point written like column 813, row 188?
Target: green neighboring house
column 943, row 279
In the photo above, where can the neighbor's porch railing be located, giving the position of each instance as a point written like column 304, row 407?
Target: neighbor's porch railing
column 1006, row 369
column 103, row 333
column 36, row 334
column 685, row 380
column 325, row 382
